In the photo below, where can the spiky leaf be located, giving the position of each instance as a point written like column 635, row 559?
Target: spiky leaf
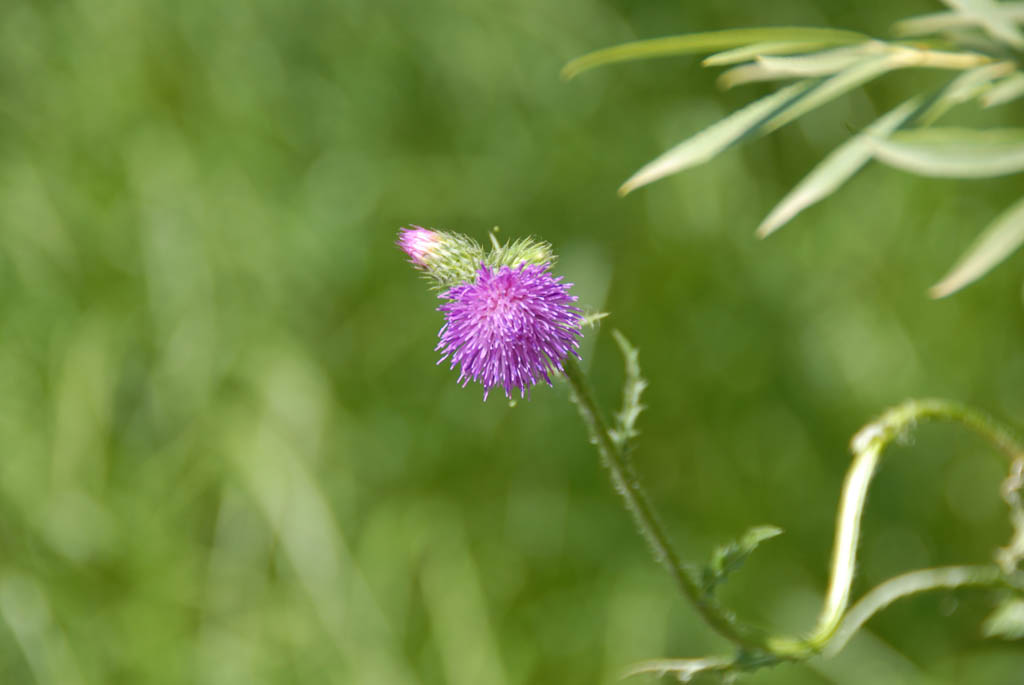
column 730, row 557
column 632, row 388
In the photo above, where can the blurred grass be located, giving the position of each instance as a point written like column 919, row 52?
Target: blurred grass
column 229, row 456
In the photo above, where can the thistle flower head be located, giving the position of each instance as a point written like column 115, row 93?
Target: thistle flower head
column 510, row 326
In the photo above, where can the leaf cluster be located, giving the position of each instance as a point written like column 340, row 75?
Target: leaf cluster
column 979, row 42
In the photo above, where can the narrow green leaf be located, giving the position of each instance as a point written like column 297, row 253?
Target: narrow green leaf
column 749, row 52
column 824, row 63
column 937, row 22
column 710, row 41
column 838, row 167
column 1007, row 90
column 991, row 18
column 933, row 22
column 963, row 88
column 998, row 241
column 860, row 73
column 704, row 145
column 954, row 152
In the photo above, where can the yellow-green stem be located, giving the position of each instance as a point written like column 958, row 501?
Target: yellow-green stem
column 867, row 446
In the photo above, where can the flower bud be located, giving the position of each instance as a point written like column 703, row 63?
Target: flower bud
column 448, row 258
column 519, row 252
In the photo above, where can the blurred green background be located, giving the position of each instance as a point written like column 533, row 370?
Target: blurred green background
column 228, row 455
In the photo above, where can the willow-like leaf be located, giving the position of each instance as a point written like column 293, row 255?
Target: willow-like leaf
column 826, row 61
column 704, row 145
column 837, row 168
column 933, row 22
column 1007, row 90
column 963, row 88
column 746, row 53
column 990, row 17
column 710, row 41
column 860, row 73
column 823, row 63
column 954, row 152
column 998, row 241
column 937, row 22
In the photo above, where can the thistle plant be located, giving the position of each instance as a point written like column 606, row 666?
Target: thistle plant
column 978, row 42
column 510, row 323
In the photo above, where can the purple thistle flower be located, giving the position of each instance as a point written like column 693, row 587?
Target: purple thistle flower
column 509, row 327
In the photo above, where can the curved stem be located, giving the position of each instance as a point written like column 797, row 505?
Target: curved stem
column 901, row 417
column 639, row 506
column 867, row 446
column 844, row 554
column 907, row 584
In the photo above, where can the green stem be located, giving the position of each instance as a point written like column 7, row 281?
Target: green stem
column 844, row 554
column 639, row 506
column 911, row 583
column 867, row 446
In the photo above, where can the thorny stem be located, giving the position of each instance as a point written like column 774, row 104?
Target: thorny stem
column 640, row 507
